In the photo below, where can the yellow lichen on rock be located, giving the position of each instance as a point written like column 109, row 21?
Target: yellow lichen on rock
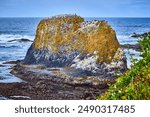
column 74, row 34
column 50, row 32
column 103, row 41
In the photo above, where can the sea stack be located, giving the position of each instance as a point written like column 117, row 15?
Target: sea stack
column 67, row 41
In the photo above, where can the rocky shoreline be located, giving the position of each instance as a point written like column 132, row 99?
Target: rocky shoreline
column 44, row 86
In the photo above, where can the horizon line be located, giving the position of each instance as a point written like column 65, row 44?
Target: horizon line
column 79, row 15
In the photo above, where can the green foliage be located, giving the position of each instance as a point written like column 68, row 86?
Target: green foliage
column 145, row 43
column 135, row 83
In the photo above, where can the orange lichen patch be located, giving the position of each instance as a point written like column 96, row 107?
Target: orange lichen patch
column 72, row 34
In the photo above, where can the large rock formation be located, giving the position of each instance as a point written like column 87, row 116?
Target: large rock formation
column 69, row 41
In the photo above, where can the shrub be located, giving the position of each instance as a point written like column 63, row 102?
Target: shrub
column 135, row 83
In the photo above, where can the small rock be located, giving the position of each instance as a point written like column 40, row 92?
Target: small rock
column 1, row 65
column 3, row 98
column 2, row 78
column 20, row 97
column 88, row 98
column 88, row 82
column 12, row 62
column 40, row 84
column 21, row 40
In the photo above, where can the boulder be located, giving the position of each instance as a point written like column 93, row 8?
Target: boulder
column 69, row 41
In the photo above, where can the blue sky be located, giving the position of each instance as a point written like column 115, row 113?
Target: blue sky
column 85, row 8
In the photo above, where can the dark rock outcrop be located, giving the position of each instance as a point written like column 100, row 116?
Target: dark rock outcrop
column 136, row 47
column 12, row 62
column 135, row 35
column 21, row 40
column 3, row 98
column 69, row 41
column 1, row 65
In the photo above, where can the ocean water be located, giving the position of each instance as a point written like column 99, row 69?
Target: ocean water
column 25, row 28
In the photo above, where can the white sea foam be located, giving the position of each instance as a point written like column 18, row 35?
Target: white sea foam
column 12, row 51
column 123, row 39
column 132, row 53
column 11, row 80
